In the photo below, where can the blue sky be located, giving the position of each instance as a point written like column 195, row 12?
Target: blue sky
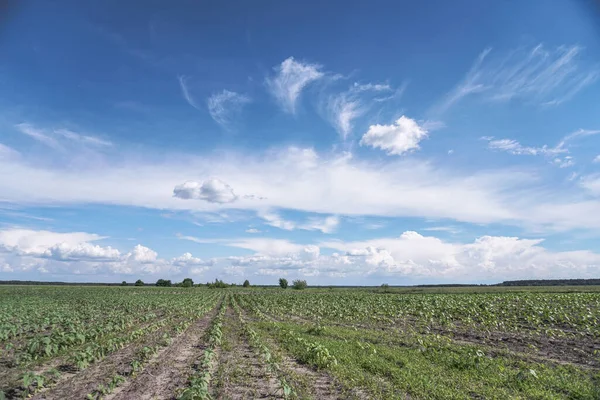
column 343, row 143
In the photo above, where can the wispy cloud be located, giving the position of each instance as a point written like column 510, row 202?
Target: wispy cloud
column 596, row 159
column 39, row 135
column 8, row 152
column 83, row 139
column 449, row 229
column 225, row 105
column 539, row 75
column 512, row 146
column 343, row 108
column 325, row 225
column 185, row 91
column 58, row 138
column 288, row 81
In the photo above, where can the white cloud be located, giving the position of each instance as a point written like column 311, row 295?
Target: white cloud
column 403, row 136
column 299, row 179
column 6, row 268
column 212, row 190
column 185, row 91
column 252, row 230
column 39, row 135
column 325, row 225
column 58, row 139
column 8, row 152
column 83, row 139
column 274, row 219
column 591, row 184
column 72, row 253
column 409, row 256
column 343, row 108
column 142, row 254
column 514, row 147
column 81, row 251
column 187, row 260
column 539, row 75
column 37, row 243
column 225, row 105
column 290, row 78
column 596, row 159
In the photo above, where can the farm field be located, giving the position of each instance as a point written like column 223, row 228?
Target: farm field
column 77, row 342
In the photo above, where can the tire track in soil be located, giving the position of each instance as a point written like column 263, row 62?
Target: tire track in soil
column 242, row 374
column 318, row 384
column 168, row 369
column 77, row 384
column 60, row 363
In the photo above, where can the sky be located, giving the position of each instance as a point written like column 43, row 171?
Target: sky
column 349, row 143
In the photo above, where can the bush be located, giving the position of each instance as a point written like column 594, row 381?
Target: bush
column 246, row 283
column 283, row 283
column 187, row 282
column 299, row 284
column 164, row 283
column 123, row 283
column 139, row 283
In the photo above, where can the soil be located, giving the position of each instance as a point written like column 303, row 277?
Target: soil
column 241, row 373
column 77, row 384
column 169, row 368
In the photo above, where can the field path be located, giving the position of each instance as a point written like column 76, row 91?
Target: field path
column 241, row 373
column 308, row 382
column 169, row 368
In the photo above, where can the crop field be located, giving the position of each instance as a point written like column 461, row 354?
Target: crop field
column 199, row 343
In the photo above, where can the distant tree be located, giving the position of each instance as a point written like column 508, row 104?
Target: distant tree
column 299, row 284
column 385, row 287
column 124, row 283
column 139, row 283
column 218, row 284
column 187, row 282
column 164, row 283
column 283, row 283
column 246, row 283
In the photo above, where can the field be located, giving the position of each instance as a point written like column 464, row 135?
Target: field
column 200, row 343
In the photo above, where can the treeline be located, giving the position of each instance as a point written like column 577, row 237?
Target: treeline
column 552, row 282
column 38, row 283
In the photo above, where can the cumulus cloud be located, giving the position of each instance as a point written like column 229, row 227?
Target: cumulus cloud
column 40, row 243
column 212, row 190
column 396, row 139
column 73, row 253
column 252, row 230
column 142, row 254
column 288, row 81
column 81, row 251
column 409, row 256
column 225, row 105
column 187, row 260
column 417, row 257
